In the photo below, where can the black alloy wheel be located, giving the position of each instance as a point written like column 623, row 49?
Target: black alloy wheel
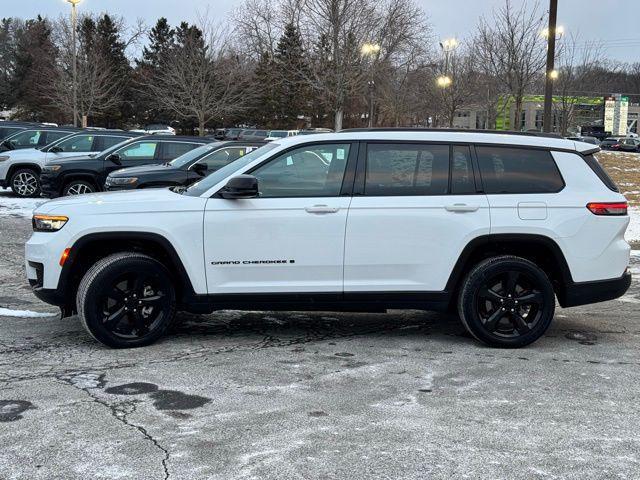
column 506, row 301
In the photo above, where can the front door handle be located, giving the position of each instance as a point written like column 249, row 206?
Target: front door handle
column 461, row 207
column 321, row 209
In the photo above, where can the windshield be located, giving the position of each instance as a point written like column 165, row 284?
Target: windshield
column 206, row 183
column 182, row 160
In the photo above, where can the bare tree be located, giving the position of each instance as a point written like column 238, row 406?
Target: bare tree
column 509, row 47
column 576, row 63
column 202, row 79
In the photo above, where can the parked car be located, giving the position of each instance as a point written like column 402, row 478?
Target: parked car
column 591, row 140
column 278, row 134
column 494, row 225
column 233, row 133
column 253, row 135
column 610, row 143
column 183, row 170
column 86, row 174
column 629, row 144
column 20, row 169
column 36, row 137
column 8, row 128
column 220, row 133
column 311, row 131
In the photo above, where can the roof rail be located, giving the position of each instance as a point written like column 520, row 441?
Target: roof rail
column 450, row 130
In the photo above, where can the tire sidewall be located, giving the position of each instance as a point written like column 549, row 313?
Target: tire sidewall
column 475, row 281
column 30, row 171
column 100, row 279
column 65, row 190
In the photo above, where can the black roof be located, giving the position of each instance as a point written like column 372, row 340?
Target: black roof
column 451, row 130
column 181, row 138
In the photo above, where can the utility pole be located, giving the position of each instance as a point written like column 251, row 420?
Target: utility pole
column 74, row 20
column 549, row 77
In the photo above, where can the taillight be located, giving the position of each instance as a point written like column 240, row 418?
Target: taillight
column 608, row 208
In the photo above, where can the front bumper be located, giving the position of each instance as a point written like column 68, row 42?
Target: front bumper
column 50, row 185
column 584, row 293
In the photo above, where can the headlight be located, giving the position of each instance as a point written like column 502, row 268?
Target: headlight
column 48, row 223
column 4, row 157
column 122, row 180
column 51, row 168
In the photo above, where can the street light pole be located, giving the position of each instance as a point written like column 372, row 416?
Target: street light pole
column 371, row 50
column 551, row 53
column 74, row 19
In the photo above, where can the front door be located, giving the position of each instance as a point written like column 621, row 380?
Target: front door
column 410, row 218
column 291, row 237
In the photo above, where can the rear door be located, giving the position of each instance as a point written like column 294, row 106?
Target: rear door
column 415, row 208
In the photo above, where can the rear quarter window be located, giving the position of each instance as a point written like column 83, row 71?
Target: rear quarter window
column 602, row 174
column 518, row 170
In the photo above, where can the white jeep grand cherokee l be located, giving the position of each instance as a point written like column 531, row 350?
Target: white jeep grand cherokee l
column 494, row 225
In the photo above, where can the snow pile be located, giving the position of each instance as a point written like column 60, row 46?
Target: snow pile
column 12, row 206
column 7, row 312
column 633, row 230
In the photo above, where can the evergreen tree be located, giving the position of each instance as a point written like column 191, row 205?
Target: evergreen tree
column 291, row 73
column 161, row 40
column 35, row 58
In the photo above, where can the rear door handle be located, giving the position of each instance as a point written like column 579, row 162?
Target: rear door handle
column 321, row 209
column 461, row 207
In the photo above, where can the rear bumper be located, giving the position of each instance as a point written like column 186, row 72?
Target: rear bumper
column 584, row 293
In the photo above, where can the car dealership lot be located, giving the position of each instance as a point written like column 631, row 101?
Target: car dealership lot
column 320, row 395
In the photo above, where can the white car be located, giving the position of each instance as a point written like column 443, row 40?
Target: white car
column 279, row 134
column 494, row 225
column 20, row 169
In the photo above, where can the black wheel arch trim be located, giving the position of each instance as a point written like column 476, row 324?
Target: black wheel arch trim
column 62, row 296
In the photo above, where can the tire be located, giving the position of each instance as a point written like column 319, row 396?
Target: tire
column 126, row 300
column 25, row 182
column 506, row 302
column 78, row 187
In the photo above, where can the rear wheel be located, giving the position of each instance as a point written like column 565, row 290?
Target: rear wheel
column 506, row 301
column 78, row 187
column 25, row 182
column 126, row 300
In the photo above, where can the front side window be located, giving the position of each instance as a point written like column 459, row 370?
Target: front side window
column 171, row 150
column 26, row 139
column 518, row 170
column 139, row 151
column 406, row 169
column 81, row 143
column 224, row 156
column 311, row 171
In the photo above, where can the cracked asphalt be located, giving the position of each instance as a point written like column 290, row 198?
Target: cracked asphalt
column 240, row 395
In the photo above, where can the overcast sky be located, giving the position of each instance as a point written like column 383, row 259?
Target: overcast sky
column 615, row 22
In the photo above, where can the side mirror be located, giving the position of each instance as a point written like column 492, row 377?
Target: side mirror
column 242, row 186
column 200, row 168
column 55, row 149
column 115, row 158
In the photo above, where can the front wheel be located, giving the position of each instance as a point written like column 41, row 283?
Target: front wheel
column 126, row 300
column 506, row 301
column 25, row 182
column 78, row 187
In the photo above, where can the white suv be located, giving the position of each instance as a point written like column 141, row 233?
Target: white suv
column 493, row 225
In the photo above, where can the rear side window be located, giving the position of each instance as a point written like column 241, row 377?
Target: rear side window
column 406, row 169
column 594, row 165
column 518, row 170
column 104, row 142
column 53, row 136
column 171, row 150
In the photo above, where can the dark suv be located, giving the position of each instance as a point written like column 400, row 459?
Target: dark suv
column 85, row 174
column 182, row 171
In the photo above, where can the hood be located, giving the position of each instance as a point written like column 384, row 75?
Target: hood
column 142, row 169
column 131, row 201
column 22, row 153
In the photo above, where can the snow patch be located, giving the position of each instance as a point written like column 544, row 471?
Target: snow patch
column 633, row 230
column 7, row 312
column 12, row 206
